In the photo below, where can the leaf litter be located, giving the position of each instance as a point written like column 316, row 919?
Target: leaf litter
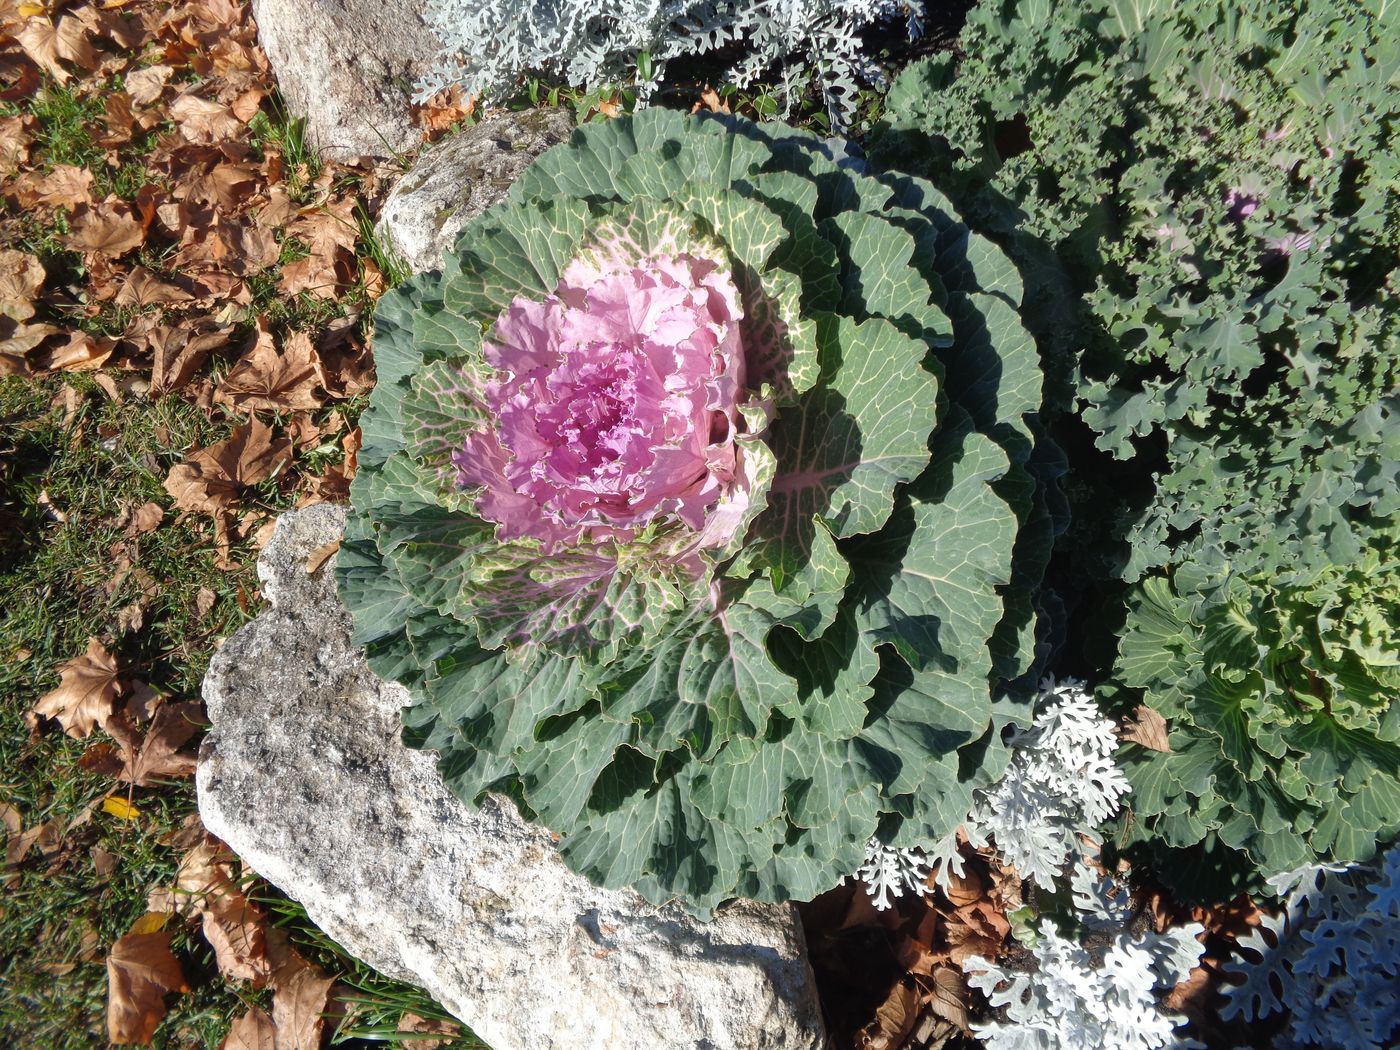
column 178, row 249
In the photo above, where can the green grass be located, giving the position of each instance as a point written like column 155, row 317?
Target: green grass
column 56, row 587
column 272, row 127
column 377, row 1003
column 66, row 120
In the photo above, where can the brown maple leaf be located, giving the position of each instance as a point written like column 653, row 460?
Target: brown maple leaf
column 210, row 481
column 299, row 1005
column 413, row 1024
column 88, row 688
column 108, row 229
column 141, row 971
column 276, row 381
column 118, row 121
column 145, row 86
column 179, row 353
column 443, row 112
column 144, row 288
column 1148, row 728
column 235, row 927
column 81, row 353
column 143, row 519
column 226, row 185
column 154, row 754
column 894, row 1019
column 66, row 186
column 252, row 1030
column 14, row 142
column 330, row 233
column 21, row 277
column 51, row 44
column 710, row 101
column 202, row 121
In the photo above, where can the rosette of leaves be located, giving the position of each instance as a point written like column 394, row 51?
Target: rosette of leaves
column 694, row 509
column 1285, row 731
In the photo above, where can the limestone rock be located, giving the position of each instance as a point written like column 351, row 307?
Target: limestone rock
column 461, row 177
column 348, row 67
column 305, row 776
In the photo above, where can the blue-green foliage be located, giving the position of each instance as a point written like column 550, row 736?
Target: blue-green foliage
column 1205, row 199
column 839, row 670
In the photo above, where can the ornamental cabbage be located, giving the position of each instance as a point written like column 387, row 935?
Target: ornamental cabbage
column 697, row 508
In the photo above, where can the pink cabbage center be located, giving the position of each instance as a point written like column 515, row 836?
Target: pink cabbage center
column 617, row 403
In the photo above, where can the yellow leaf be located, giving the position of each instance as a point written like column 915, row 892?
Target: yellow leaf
column 151, row 922
column 119, row 808
column 30, row 10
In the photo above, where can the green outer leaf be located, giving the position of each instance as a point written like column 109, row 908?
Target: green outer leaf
column 848, row 443
column 514, row 250
column 440, row 409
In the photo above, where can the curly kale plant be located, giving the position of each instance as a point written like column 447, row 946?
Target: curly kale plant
column 1217, row 181
column 1286, row 738
column 688, row 502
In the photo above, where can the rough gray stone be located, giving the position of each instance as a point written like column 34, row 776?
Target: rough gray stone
column 348, row 67
column 461, row 177
column 305, row 776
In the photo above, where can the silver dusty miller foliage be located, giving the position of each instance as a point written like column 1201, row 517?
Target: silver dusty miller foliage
column 888, row 872
column 488, row 44
column 1061, row 785
column 1331, row 958
column 1104, row 996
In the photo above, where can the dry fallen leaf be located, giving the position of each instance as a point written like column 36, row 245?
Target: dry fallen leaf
column 141, row 971
column 330, row 233
column 235, row 927
column 947, row 998
column 21, row 277
column 320, row 556
column 253, row 1030
column 14, row 142
column 47, row 837
column 179, row 353
column 81, row 353
column 210, row 481
column 444, row 111
column 145, row 518
column 146, row 85
column 1148, row 728
column 122, row 809
column 894, row 1020
column 66, row 186
column 107, row 229
column 413, row 1024
column 144, row 288
column 51, row 44
column 265, row 379
column 131, row 618
column 203, row 121
column 86, row 693
column 297, row 1006
column 710, row 100
column 150, row 755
